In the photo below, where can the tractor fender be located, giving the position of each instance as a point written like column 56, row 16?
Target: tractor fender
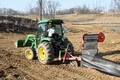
column 46, row 40
column 64, row 38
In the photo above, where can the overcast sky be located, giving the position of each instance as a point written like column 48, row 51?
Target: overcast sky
column 23, row 5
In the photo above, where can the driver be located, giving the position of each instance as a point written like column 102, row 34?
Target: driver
column 51, row 31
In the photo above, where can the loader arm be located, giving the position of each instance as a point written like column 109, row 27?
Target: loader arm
column 28, row 42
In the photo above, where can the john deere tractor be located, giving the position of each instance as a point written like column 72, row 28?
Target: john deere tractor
column 42, row 46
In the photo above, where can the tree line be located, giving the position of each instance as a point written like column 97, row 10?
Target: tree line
column 6, row 11
column 50, row 9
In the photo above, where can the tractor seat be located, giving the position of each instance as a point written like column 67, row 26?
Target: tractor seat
column 55, row 36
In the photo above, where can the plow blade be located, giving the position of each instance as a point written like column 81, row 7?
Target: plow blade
column 101, row 64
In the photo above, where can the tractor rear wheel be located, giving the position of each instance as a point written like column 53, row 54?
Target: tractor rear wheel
column 71, row 48
column 30, row 54
column 45, row 53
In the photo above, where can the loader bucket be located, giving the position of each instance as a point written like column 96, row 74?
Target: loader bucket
column 23, row 43
column 19, row 43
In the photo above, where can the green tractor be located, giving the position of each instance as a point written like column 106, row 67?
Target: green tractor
column 45, row 47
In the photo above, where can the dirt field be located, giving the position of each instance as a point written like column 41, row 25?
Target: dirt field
column 14, row 65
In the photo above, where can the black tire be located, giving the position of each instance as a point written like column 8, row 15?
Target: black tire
column 30, row 54
column 71, row 48
column 75, row 63
column 45, row 53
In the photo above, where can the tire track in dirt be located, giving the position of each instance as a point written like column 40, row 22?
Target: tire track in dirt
column 62, row 72
column 32, row 73
column 53, row 72
column 84, row 74
column 44, row 68
column 89, row 74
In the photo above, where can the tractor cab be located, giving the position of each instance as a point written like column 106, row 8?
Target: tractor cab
column 45, row 25
column 55, row 36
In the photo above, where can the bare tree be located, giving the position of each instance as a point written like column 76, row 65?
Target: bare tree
column 40, row 9
column 51, row 8
column 112, row 7
column 30, row 9
column 5, row 11
column 56, row 5
column 45, row 8
column 117, row 4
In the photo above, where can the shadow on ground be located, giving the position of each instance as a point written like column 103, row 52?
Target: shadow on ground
column 108, row 53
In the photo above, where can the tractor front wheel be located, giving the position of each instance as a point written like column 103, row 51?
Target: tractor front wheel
column 45, row 53
column 30, row 54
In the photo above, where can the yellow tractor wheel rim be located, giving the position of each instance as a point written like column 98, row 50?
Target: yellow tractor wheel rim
column 29, row 54
column 41, row 53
